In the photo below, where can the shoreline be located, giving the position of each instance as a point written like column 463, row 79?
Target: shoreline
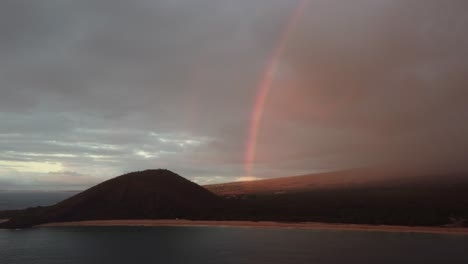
column 267, row 224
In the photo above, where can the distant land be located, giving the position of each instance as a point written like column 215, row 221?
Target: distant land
column 362, row 177
column 360, row 196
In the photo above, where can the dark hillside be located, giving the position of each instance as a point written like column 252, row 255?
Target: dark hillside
column 357, row 196
column 425, row 200
column 150, row 194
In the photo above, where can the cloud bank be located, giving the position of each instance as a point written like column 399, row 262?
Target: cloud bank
column 93, row 89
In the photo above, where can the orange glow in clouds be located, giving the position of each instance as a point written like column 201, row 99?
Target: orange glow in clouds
column 264, row 88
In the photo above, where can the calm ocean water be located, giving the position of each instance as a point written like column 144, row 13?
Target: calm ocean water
column 20, row 200
column 205, row 245
column 80, row 245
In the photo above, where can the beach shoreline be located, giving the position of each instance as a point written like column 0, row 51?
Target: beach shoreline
column 266, row 224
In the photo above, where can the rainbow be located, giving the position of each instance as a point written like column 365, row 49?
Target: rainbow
column 264, row 88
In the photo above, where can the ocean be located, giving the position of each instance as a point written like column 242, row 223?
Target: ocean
column 205, row 245
column 80, row 245
column 20, row 200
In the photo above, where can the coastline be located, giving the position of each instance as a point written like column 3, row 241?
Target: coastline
column 267, row 224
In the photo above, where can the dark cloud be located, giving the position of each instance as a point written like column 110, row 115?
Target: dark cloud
column 104, row 87
column 376, row 82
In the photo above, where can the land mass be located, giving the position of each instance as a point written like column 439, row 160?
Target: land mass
column 365, row 197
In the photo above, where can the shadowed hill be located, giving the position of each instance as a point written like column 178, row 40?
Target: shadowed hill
column 361, row 196
column 150, row 194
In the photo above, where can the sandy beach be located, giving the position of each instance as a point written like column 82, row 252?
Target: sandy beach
column 264, row 224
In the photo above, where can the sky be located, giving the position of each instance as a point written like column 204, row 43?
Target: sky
column 91, row 89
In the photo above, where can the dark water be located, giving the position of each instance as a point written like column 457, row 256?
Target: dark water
column 20, row 200
column 214, row 244
column 225, row 245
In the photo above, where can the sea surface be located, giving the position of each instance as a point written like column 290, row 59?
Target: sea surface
column 217, row 245
column 20, row 200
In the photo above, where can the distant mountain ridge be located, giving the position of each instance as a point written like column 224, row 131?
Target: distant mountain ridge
column 345, row 179
column 300, row 183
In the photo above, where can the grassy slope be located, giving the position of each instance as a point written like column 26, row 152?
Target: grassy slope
column 329, row 180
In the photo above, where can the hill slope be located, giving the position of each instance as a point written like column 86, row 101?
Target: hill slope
column 303, row 183
column 356, row 196
column 364, row 196
column 150, row 194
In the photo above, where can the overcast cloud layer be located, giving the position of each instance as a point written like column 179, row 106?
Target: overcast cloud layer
column 90, row 89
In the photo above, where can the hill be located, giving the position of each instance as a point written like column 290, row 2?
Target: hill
column 150, row 194
column 361, row 196
column 353, row 178
column 302, row 183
